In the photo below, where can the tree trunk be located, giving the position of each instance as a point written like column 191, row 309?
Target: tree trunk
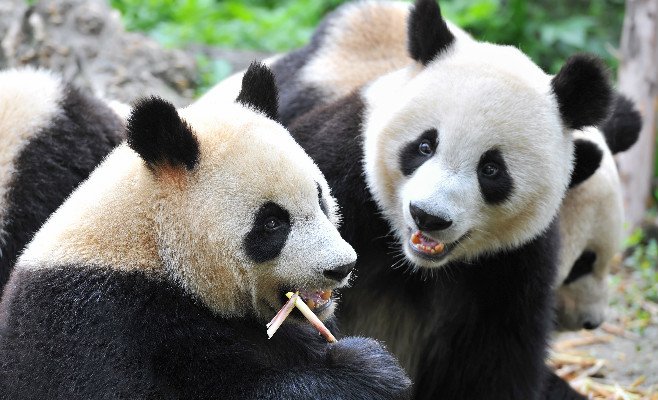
column 638, row 79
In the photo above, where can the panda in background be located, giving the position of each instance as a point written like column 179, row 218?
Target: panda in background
column 356, row 43
column 591, row 219
column 466, row 156
column 52, row 135
column 156, row 277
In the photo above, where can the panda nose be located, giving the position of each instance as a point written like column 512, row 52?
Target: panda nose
column 339, row 273
column 428, row 222
column 589, row 325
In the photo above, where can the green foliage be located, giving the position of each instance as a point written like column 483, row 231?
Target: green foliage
column 254, row 24
column 547, row 30
column 211, row 71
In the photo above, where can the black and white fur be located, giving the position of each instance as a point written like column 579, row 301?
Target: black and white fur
column 372, row 36
column 591, row 219
column 52, row 136
column 474, row 322
column 156, row 277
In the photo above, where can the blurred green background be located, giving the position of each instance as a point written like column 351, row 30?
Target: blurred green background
column 547, row 30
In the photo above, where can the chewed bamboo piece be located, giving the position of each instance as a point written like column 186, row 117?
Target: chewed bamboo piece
column 312, row 318
column 281, row 316
column 296, row 301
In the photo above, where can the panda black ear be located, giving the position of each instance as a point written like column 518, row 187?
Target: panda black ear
column 622, row 128
column 583, row 91
column 588, row 158
column 160, row 137
column 259, row 90
column 427, row 31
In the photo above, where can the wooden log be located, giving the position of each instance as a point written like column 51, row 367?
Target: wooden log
column 638, row 79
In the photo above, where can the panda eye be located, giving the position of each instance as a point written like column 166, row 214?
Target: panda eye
column 490, row 170
column 272, row 224
column 425, row 148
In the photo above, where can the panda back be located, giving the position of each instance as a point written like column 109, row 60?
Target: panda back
column 53, row 135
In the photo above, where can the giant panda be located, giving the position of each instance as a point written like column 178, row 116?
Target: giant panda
column 591, row 219
column 157, row 275
column 52, row 135
column 372, row 36
column 450, row 173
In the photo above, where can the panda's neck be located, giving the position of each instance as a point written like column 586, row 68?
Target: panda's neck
column 107, row 221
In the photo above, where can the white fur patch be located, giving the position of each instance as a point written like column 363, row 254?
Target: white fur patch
column 29, row 100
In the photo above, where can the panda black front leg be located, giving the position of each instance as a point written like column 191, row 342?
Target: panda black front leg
column 352, row 368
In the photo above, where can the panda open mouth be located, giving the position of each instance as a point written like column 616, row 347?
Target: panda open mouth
column 428, row 248
column 316, row 299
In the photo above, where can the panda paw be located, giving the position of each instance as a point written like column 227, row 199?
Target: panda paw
column 369, row 364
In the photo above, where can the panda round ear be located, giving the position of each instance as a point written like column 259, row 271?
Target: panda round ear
column 428, row 33
column 259, row 90
column 583, row 91
column 623, row 126
column 588, row 158
column 160, row 137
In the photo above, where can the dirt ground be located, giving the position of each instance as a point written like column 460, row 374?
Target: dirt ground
column 619, row 360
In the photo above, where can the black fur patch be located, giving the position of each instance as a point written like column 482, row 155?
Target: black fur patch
column 297, row 97
column 411, row 158
column 587, row 160
column 78, row 332
column 583, row 91
column 584, row 265
column 53, row 163
column 259, row 91
column 498, row 188
column 262, row 244
column 160, row 137
column 323, row 203
column 622, row 128
column 428, row 33
column 331, row 136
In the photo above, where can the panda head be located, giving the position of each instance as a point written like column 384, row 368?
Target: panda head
column 217, row 198
column 243, row 210
column 469, row 150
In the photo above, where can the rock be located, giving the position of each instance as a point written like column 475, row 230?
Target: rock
column 86, row 42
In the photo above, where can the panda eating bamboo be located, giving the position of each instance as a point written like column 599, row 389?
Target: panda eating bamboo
column 156, row 277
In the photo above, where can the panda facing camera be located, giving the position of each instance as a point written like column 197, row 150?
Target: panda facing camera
column 450, row 171
column 156, row 277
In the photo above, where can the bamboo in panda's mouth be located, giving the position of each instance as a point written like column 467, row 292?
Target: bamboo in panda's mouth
column 295, row 300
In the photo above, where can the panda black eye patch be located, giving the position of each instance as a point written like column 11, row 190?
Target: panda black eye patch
column 268, row 234
column 495, row 181
column 584, row 265
column 415, row 153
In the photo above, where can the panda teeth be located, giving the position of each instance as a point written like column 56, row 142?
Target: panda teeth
column 425, row 244
column 315, row 298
